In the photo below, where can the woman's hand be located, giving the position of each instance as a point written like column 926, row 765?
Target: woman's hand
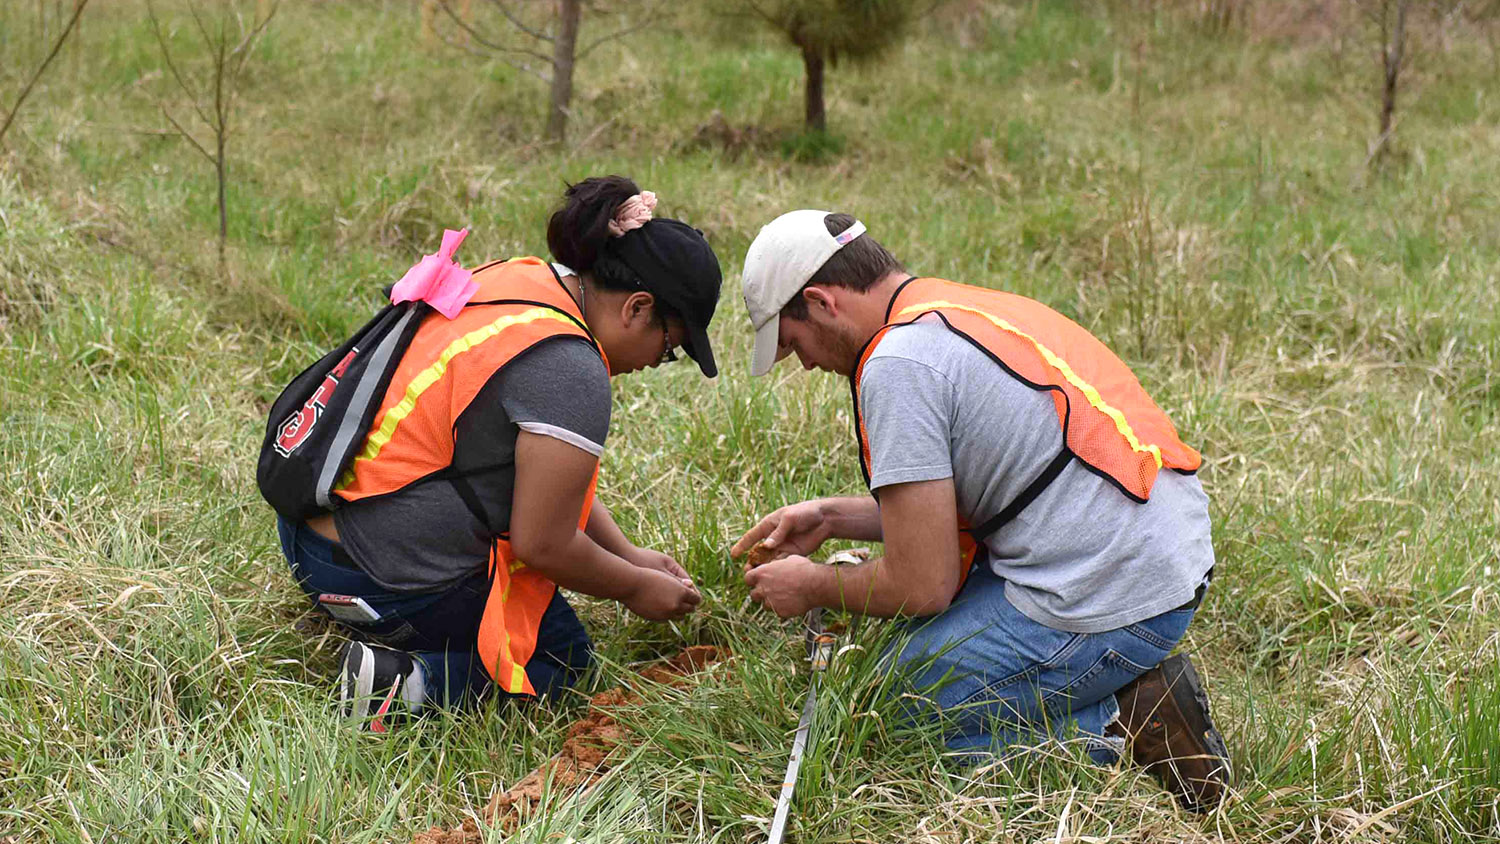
column 552, row 478
column 645, row 558
column 794, row 529
column 659, row 596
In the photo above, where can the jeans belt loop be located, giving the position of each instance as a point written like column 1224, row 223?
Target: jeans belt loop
column 1197, row 593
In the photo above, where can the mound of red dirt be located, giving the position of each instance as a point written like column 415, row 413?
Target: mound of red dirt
column 465, row 833
column 585, row 754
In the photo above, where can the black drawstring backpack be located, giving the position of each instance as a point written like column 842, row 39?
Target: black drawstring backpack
column 318, row 423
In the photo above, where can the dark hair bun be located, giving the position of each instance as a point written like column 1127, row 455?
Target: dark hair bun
column 579, row 229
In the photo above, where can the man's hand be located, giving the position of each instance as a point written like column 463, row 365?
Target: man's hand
column 659, row 596
column 645, row 558
column 918, row 576
column 787, row 587
column 794, row 529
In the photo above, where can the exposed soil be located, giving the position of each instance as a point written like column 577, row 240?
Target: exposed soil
column 585, row 754
column 734, row 139
column 465, row 833
column 758, row 555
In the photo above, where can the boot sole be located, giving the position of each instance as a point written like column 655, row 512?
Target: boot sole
column 1189, row 695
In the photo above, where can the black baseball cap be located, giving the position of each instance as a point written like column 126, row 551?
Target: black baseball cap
column 677, row 266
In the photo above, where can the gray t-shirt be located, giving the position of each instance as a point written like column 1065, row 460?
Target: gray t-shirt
column 1081, row 557
column 424, row 538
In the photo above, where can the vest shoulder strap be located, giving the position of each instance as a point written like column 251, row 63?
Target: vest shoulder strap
column 1028, row 495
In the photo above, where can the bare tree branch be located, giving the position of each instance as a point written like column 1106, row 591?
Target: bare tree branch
column 616, row 35
column 185, row 133
column 202, row 27
column 247, row 44
column 493, row 45
column 470, row 48
column 166, row 54
column 526, row 68
column 562, row 33
column 56, row 48
column 221, row 116
column 652, row 15
column 516, row 22
column 241, row 54
column 214, row 102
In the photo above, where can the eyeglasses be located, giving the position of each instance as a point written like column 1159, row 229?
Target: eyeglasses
column 667, row 355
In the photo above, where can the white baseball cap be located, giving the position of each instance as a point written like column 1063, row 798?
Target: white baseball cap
column 781, row 259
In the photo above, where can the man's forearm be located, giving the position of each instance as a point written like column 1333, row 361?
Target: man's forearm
column 856, row 518
column 869, row 589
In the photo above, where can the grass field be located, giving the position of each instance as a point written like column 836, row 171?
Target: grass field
column 1325, row 334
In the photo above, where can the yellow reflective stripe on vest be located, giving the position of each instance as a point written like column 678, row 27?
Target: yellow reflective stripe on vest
column 434, row 373
column 1121, row 423
column 517, row 673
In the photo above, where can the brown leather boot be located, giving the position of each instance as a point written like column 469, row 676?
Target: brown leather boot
column 1164, row 716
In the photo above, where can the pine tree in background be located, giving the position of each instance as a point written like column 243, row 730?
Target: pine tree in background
column 826, row 31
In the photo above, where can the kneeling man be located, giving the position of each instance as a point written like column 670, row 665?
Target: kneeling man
column 1042, row 524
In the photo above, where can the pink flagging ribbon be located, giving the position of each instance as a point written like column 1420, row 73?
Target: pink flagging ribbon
column 438, row 280
column 633, row 213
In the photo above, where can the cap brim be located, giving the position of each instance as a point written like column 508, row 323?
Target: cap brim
column 767, row 340
column 699, row 350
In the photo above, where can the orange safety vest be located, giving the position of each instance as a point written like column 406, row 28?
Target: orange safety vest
column 1108, row 422
column 519, row 303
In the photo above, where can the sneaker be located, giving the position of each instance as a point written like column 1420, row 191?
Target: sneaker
column 374, row 680
column 1164, row 716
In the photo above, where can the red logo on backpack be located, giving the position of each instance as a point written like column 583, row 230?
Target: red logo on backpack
column 295, row 430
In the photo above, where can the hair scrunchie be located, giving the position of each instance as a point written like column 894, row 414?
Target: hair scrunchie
column 633, row 213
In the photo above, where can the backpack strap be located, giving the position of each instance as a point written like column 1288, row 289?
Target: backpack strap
column 353, row 422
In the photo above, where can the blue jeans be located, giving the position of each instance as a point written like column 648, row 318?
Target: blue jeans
column 997, row 678
column 438, row 629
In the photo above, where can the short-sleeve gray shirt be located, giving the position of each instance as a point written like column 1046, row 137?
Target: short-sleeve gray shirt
column 424, row 537
column 1081, row 557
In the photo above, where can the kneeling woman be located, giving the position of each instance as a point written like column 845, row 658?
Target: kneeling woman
column 472, row 499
